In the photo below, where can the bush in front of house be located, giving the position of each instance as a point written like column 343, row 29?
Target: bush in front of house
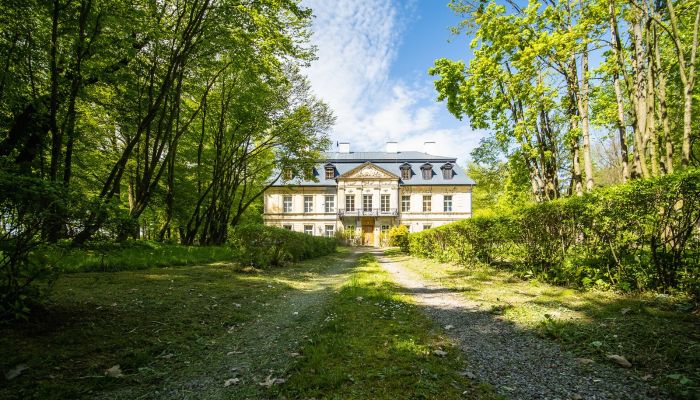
column 633, row 237
column 263, row 246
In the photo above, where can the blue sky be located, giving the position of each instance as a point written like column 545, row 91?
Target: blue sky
column 373, row 58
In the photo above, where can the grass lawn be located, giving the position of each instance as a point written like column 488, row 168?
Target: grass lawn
column 658, row 334
column 133, row 255
column 375, row 344
column 160, row 325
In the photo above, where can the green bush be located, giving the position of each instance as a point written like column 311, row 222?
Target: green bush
column 642, row 235
column 263, row 246
column 398, row 236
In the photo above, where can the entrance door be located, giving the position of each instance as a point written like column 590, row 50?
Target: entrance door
column 368, row 235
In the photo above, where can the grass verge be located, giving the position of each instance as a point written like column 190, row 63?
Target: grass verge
column 375, row 344
column 658, row 334
column 160, row 326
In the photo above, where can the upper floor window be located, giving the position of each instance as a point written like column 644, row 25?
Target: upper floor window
column 287, row 204
column 329, row 204
column 427, row 203
column 367, row 202
column 447, row 203
column 405, row 203
column 350, row 202
column 447, row 171
column 308, row 204
column 330, row 171
column 427, row 170
column 288, row 175
column 406, row 171
column 384, row 202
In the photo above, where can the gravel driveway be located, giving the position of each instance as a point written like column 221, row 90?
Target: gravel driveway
column 518, row 364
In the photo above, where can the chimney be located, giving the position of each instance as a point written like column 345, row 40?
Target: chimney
column 392, row 147
column 344, row 147
column 429, row 148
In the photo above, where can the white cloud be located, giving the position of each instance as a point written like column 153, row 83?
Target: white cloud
column 357, row 42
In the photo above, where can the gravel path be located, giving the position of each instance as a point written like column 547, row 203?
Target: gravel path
column 518, row 365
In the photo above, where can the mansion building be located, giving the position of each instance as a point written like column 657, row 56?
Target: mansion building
column 366, row 193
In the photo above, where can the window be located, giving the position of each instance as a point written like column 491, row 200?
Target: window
column 309, row 229
column 350, row 202
column 447, row 204
column 330, row 171
column 288, row 227
column 384, row 202
column 308, row 204
column 447, row 172
column 427, row 171
column 405, row 203
column 385, row 228
column 330, row 203
column 287, row 204
column 427, row 203
column 288, row 174
column 367, row 202
column 330, row 230
column 350, row 228
column 427, row 226
column 406, row 171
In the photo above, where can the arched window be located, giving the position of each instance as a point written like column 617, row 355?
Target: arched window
column 406, row 171
column 427, row 170
column 330, row 171
column 447, row 171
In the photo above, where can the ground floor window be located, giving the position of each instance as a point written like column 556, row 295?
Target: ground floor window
column 427, row 226
column 309, row 229
column 350, row 228
column 287, row 227
column 385, row 228
column 330, row 230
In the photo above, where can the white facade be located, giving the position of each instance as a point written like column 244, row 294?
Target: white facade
column 367, row 199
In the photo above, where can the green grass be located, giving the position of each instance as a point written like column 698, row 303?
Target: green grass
column 375, row 344
column 658, row 334
column 133, row 255
column 161, row 325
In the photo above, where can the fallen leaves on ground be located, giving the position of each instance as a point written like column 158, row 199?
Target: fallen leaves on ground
column 620, row 360
column 16, row 371
column 114, row 372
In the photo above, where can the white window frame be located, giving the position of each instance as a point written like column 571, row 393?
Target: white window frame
column 427, row 203
column 364, row 202
column 427, row 226
column 384, row 202
column 308, row 203
column 329, row 231
column 288, row 227
column 405, row 203
column 309, row 229
column 350, row 202
column 329, row 203
column 447, row 203
column 287, row 204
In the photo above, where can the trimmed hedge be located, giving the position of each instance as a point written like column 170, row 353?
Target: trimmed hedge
column 637, row 236
column 262, row 245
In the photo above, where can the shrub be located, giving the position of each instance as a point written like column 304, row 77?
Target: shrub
column 398, row 236
column 263, row 246
column 642, row 235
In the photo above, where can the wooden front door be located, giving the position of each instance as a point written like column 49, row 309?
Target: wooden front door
column 368, row 235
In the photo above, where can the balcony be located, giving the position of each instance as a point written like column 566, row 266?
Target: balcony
column 368, row 212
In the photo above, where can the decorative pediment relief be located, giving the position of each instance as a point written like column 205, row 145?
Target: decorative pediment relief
column 368, row 171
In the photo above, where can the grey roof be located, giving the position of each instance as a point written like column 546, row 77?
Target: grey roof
column 383, row 156
column 344, row 162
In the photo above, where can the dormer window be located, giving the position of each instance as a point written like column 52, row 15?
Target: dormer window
column 406, row 171
column 287, row 175
column 330, row 171
column 427, row 170
column 447, row 171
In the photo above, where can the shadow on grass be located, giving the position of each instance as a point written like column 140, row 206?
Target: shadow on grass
column 653, row 332
column 148, row 322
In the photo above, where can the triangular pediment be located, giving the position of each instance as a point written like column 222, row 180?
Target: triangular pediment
column 368, row 171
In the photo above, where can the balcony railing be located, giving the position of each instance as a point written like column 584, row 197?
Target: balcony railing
column 369, row 212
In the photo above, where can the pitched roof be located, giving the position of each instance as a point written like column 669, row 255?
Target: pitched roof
column 391, row 162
